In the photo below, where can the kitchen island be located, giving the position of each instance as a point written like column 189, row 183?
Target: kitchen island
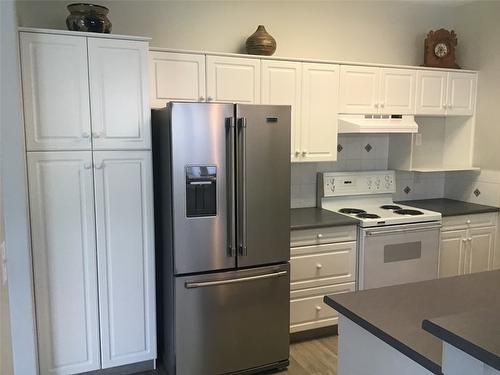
column 381, row 333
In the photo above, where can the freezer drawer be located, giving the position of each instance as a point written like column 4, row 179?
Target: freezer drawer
column 232, row 321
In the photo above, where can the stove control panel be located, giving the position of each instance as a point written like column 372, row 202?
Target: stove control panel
column 332, row 184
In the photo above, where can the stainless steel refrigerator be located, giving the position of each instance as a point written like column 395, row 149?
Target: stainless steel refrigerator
column 222, row 197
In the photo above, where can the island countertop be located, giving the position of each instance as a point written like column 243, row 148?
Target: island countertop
column 395, row 314
column 307, row 218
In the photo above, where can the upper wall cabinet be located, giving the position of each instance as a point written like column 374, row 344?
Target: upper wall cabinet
column 372, row 90
column 70, row 82
column 119, row 80
column 281, row 84
column 55, row 91
column 445, row 93
column 176, row 76
column 233, row 80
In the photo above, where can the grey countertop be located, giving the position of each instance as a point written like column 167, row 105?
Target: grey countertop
column 395, row 314
column 450, row 207
column 307, row 218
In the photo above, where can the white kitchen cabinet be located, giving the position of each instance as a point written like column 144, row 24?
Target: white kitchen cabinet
column 282, row 84
column 359, row 89
column 64, row 261
column 322, row 261
column 397, row 91
column 55, row 91
column 445, row 93
column 176, row 76
column 467, row 244
column 233, row 79
column 125, row 253
column 119, row 94
column 319, row 126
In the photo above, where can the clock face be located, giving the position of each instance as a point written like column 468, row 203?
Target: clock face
column 441, row 50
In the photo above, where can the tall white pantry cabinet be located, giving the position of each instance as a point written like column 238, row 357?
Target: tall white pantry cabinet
column 88, row 142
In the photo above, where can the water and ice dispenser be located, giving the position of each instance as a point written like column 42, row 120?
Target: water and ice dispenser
column 201, row 191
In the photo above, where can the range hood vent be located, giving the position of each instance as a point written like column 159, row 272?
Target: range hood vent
column 377, row 124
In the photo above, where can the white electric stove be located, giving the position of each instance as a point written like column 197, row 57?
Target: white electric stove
column 396, row 243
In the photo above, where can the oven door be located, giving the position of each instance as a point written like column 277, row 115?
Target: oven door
column 398, row 254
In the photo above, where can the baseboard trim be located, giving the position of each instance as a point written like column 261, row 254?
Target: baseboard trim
column 314, row 333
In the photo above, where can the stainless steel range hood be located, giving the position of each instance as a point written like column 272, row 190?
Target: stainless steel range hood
column 377, row 124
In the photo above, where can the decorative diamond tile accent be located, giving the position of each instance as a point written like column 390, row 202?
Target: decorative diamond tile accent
column 368, row 147
column 339, row 147
column 477, row 192
column 407, row 190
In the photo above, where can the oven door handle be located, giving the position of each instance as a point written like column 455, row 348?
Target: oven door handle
column 412, row 230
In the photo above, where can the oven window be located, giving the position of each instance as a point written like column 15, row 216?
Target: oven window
column 402, row 251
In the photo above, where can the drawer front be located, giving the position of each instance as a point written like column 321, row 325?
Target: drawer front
column 307, row 309
column 469, row 221
column 317, row 236
column 335, row 263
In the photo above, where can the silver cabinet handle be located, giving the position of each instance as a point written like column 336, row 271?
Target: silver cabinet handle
column 304, row 152
column 242, row 199
column 204, row 284
column 318, row 308
column 444, row 106
column 467, row 221
column 231, row 223
column 319, row 266
column 97, row 134
column 297, row 152
column 382, row 105
column 469, row 239
column 85, row 135
column 202, row 99
column 376, row 105
column 319, row 235
column 210, row 98
column 464, row 240
column 87, row 165
column 98, row 165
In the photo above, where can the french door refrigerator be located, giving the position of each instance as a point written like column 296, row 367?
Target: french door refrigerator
column 222, row 196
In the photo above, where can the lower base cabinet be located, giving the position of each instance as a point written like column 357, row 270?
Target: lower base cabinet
column 323, row 261
column 93, row 258
column 467, row 244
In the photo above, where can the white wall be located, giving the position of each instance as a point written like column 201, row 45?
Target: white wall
column 371, row 31
column 14, row 198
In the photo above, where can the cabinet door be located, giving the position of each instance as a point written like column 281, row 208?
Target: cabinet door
column 176, row 76
column 233, row 80
column 461, row 94
column 452, row 253
column 281, row 84
column 55, row 91
column 359, row 89
column 482, row 246
column 125, row 254
column 431, row 92
column 320, row 87
column 118, row 73
column 397, row 91
column 64, row 261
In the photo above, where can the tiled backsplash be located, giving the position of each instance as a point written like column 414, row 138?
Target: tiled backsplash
column 357, row 152
column 476, row 187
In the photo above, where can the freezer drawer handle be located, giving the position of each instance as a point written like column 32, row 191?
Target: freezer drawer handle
column 233, row 281
column 406, row 230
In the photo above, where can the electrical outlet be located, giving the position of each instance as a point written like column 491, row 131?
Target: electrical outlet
column 418, row 139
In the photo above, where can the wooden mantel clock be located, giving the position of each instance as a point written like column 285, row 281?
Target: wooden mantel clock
column 440, row 49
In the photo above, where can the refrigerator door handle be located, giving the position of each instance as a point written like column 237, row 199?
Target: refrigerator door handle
column 242, row 189
column 231, row 222
column 189, row 285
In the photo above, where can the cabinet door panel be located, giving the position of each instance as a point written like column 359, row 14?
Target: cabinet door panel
column 55, row 92
column 119, row 94
column 452, row 253
column 397, row 91
column 461, row 93
column 233, row 80
column 281, row 84
column 431, row 92
column 320, row 87
column 359, row 89
column 64, row 265
column 176, row 76
column 125, row 253
column 482, row 245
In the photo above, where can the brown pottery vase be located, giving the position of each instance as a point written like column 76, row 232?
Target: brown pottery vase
column 261, row 43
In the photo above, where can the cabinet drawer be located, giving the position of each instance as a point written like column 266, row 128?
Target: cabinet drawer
column 318, row 236
column 313, row 266
column 472, row 221
column 307, row 309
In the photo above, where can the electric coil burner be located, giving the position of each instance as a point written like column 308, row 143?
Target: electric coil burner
column 367, row 216
column 352, row 211
column 390, row 207
column 408, row 212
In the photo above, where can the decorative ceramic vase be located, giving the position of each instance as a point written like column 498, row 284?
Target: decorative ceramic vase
column 261, row 43
column 88, row 17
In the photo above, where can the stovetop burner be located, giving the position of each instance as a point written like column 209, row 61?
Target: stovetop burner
column 367, row 216
column 390, row 207
column 352, row 211
column 408, row 212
